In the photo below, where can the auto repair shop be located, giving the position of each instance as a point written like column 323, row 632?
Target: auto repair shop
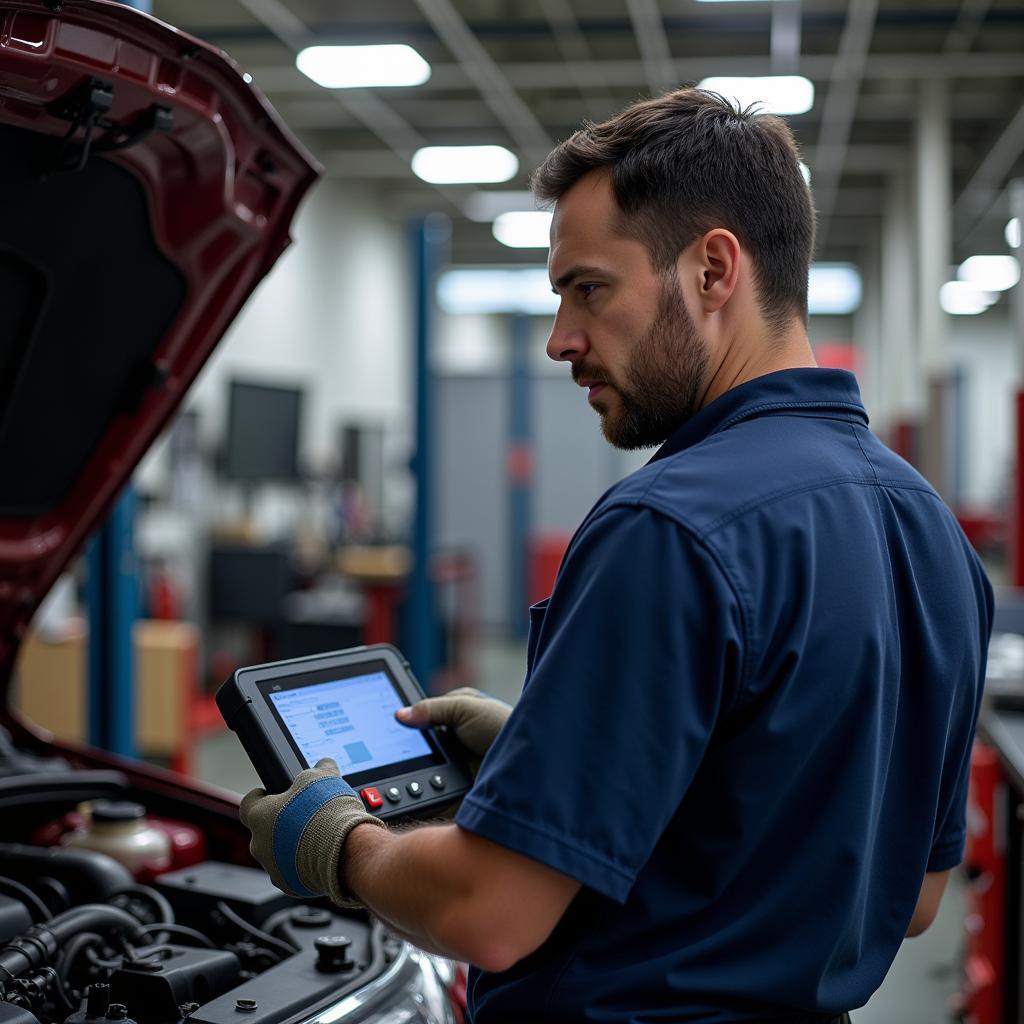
column 344, row 348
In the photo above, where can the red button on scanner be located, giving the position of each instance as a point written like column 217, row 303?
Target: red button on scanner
column 372, row 798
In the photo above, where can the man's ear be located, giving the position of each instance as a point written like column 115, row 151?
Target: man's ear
column 713, row 263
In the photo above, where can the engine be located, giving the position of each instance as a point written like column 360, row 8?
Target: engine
column 85, row 943
column 85, row 940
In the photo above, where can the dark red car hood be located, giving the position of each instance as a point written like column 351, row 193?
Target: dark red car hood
column 126, row 249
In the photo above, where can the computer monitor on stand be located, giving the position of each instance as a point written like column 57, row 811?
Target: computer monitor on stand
column 262, row 435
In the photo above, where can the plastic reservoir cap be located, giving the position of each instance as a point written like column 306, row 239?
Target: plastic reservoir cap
column 119, row 811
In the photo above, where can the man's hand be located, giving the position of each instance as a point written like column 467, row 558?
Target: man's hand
column 298, row 835
column 472, row 716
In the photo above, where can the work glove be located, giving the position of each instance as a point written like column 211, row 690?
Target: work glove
column 298, row 835
column 473, row 717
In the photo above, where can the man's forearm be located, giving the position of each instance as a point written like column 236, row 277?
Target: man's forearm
column 422, row 884
column 446, row 889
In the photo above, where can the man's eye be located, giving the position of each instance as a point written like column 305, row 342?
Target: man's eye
column 586, row 290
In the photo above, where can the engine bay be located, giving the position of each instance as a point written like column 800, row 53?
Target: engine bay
column 90, row 935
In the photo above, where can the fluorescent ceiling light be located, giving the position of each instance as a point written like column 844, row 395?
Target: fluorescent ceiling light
column 990, row 273
column 1012, row 232
column 777, row 94
column 485, row 206
column 523, row 229
column 496, row 290
column 805, row 171
column 359, row 67
column 834, row 289
column 963, row 299
column 452, row 165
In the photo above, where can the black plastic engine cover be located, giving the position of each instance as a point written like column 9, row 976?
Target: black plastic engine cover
column 291, row 987
column 154, row 985
column 193, row 892
column 14, row 918
column 302, row 983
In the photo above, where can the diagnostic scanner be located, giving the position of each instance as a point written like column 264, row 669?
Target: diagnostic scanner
column 289, row 714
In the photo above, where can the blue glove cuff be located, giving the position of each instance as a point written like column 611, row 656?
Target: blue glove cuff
column 292, row 821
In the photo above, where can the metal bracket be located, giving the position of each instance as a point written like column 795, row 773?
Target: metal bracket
column 83, row 107
column 86, row 108
column 156, row 118
column 91, row 99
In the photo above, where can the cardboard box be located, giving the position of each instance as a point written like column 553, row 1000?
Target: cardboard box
column 50, row 684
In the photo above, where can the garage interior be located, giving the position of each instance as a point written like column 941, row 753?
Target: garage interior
column 379, row 451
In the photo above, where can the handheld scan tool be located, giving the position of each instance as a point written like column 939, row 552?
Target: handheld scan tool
column 342, row 705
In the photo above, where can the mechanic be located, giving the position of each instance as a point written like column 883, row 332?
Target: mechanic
column 736, row 778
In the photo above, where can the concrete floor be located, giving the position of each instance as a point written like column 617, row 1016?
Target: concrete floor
column 919, row 982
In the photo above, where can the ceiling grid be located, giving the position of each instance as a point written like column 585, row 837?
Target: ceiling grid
column 526, row 73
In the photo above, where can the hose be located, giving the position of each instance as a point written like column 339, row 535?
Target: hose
column 88, row 875
column 178, row 929
column 284, row 948
column 26, row 895
column 75, row 945
column 164, row 912
column 95, row 917
column 41, row 943
column 272, row 923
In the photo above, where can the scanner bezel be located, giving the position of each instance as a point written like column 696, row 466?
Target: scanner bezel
column 244, row 701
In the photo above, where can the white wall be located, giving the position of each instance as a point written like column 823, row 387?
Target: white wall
column 334, row 315
column 982, row 347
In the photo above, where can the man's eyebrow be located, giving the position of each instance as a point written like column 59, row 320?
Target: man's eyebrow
column 571, row 274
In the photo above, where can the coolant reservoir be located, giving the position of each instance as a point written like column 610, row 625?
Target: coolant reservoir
column 119, row 829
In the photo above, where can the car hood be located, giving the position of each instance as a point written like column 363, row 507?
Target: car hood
column 146, row 187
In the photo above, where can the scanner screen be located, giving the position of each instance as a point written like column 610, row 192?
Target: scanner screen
column 351, row 720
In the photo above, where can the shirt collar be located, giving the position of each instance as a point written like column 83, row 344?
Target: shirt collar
column 809, row 390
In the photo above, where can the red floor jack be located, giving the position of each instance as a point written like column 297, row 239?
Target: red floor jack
column 980, row 1000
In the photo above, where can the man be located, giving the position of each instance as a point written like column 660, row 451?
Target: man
column 737, row 775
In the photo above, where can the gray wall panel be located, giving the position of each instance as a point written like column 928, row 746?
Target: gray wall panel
column 471, row 504
column 573, row 466
column 574, row 463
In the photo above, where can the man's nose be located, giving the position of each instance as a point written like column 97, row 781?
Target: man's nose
column 567, row 342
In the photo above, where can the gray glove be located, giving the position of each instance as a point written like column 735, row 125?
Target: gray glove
column 298, row 835
column 474, row 718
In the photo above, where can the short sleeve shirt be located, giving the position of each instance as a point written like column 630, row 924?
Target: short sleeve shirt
column 746, row 723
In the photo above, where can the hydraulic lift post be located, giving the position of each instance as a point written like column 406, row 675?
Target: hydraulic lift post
column 112, row 595
column 429, row 243
column 519, row 475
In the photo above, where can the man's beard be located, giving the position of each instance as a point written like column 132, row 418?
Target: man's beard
column 663, row 380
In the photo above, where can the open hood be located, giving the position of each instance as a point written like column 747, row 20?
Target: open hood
column 145, row 189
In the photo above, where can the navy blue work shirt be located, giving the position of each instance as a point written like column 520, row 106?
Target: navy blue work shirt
column 746, row 725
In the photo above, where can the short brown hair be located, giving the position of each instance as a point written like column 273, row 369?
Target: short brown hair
column 689, row 161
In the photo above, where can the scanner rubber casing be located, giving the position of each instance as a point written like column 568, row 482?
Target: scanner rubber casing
column 246, row 712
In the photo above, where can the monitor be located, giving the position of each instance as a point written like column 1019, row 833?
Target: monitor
column 263, row 432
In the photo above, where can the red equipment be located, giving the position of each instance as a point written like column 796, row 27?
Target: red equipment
column 980, row 1000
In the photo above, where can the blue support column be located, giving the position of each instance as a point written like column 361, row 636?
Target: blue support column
column 429, row 242
column 113, row 598
column 519, row 471
column 112, row 591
